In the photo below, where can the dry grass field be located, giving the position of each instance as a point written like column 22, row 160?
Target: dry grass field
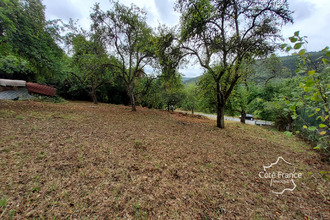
column 73, row 160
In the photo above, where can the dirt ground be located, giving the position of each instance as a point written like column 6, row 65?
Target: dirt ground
column 74, row 160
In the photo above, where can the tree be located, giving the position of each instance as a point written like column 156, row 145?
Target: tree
column 25, row 33
column 143, row 86
column 172, row 90
column 8, row 12
column 273, row 66
column 128, row 36
column 207, row 93
column 90, row 63
column 245, row 91
column 313, row 92
column 242, row 97
column 222, row 34
column 167, row 51
column 169, row 55
column 153, row 96
column 13, row 67
column 190, row 100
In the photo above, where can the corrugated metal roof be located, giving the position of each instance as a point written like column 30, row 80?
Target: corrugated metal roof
column 9, row 82
column 31, row 88
column 40, row 89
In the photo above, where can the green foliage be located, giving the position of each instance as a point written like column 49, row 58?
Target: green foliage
column 205, row 35
column 195, row 16
column 153, row 98
column 287, row 66
column 172, row 90
column 188, row 81
column 191, row 99
column 167, row 51
column 24, row 35
column 285, row 109
column 3, row 202
column 288, row 133
column 273, row 68
column 13, row 67
column 7, row 16
column 130, row 38
column 206, row 93
column 90, row 63
column 312, row 94
column 243, row 98
column 164, row 92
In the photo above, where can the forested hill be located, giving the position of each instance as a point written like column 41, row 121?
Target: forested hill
column 188, row 80
column 289, row 62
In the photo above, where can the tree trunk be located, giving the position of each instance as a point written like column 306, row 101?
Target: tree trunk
column 221, row 116
column 192, row 111
column 93, row 95
column 168, row 107
column 243, row 116
column 132, row 100
column 220, row 108
column 130, row 90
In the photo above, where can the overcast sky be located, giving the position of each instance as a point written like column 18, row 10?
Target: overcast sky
column 311, row 18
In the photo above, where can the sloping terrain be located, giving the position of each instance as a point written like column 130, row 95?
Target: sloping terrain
column 75, row 160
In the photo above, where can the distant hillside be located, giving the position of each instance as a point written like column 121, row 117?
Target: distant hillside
column 190, row 80
column 186, row 78
column 289, row 62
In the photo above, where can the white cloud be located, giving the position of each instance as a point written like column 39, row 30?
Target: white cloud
column 311, row 19
column 166, row 13
column 193, row 71
column 303, row 9
column 62, row 9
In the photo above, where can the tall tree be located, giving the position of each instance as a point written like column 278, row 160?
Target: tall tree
column 91, row 62
column 129, row 39
column 190, row 100
column 168, row 55
column 167, row 51
column 172, row 90
column 273, row 68
column 243, row 95
column 8, row 18
column 25, row 33
column 221, row 34
column 312, row 95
